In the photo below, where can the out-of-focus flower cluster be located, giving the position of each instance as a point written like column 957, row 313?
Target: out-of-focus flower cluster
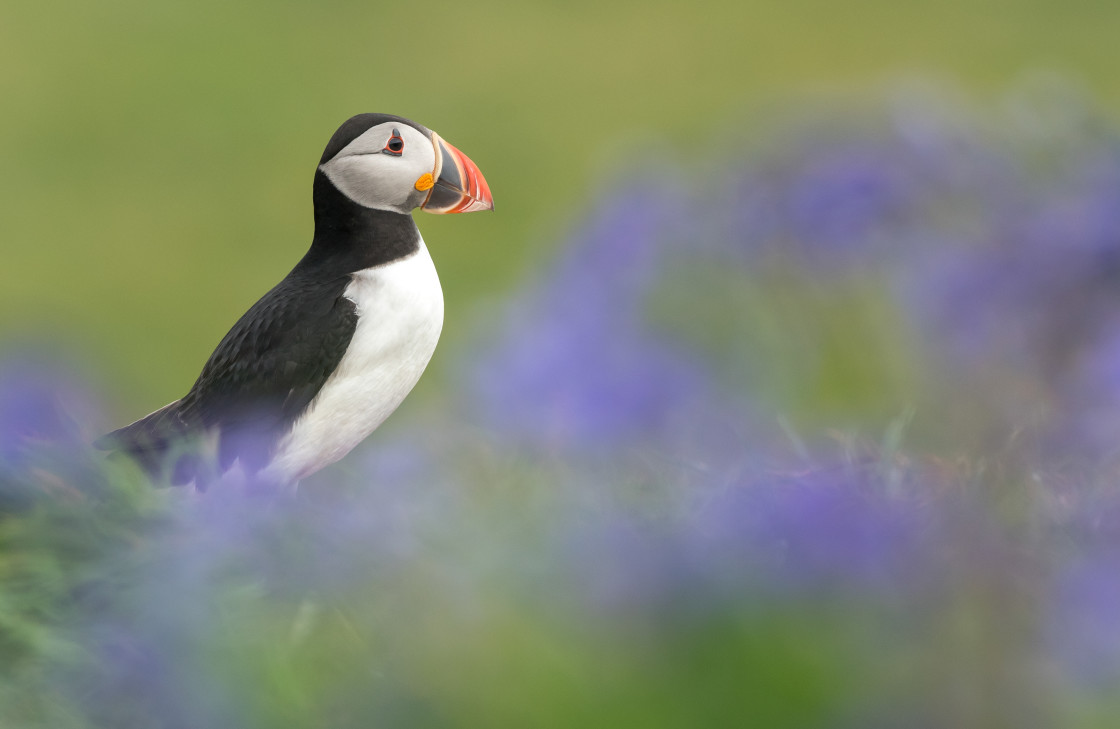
column 818, row 437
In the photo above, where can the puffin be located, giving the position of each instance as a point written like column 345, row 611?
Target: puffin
column 323, row 358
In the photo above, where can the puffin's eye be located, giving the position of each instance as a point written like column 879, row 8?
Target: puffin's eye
column 395, row 145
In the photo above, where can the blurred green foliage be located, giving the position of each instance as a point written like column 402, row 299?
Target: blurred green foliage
column 156, row 158
column 73, row 536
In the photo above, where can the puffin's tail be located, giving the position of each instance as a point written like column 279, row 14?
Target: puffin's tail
column 150, row 440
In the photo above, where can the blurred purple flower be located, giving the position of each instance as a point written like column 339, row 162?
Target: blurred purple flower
column 593, row 386
column 833, row 199
column 575, row 360
column 40, row 403
column 1089, row 392
column 1085, row 625
column 842, row 200
column 1081, row 631
column 148, row 671
column 1036, row 296
column 822, row 528
column 821, row 531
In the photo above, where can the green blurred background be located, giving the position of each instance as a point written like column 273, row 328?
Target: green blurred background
column 157, row 157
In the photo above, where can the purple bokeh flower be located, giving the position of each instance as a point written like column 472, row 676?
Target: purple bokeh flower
column 1081, row 630
column 848, row 197
column 40, row 403
column 1032, row 303
column 1084, row 629
column 819, row 526
column 576, row 360
column 827, row 532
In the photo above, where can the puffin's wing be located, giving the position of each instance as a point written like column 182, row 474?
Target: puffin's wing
column 270, row 366
column 149, row 438
column 261, row 377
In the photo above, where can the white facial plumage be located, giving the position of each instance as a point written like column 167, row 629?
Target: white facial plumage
column 365, row 173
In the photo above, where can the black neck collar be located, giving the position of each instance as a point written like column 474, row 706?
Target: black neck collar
column 350, row 237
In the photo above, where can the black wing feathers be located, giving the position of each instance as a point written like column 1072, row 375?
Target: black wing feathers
column 148, row 438
column 262, row 375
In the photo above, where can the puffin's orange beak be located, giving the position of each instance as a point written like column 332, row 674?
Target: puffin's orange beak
column 459, row 186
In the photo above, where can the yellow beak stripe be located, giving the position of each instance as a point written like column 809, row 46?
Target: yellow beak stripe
column 425, row 182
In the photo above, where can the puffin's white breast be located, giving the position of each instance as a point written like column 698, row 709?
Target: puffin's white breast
column 400, row 316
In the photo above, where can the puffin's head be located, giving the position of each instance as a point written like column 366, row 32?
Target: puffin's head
column 387, row 162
